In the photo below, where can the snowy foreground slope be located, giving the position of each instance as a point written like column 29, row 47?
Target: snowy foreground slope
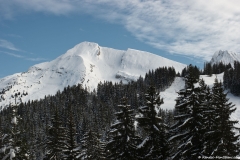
column 170, row 94
column 88, row 64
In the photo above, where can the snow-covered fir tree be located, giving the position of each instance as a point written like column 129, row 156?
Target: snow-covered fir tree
column 122, row 140
column 3, row 143
column 2, row 138
column 12, row 142
column 208, row 115
column 71, row 137
column 91, row 146
column 56, row 140
column 102, row 150
column 155, row 145
column 187, row 132
column 223, row 140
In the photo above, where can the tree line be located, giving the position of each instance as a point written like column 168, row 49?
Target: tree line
column 231, row 79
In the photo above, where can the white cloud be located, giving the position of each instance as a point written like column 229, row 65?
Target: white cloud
column 7, row 45
column 12, row 54
column 23, row 57
column 36, row 59
column 8, row 9
column 191, row 28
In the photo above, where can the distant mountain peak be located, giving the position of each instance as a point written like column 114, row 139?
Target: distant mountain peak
column 225, row 57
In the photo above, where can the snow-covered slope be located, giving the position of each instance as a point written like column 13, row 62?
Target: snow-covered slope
column 88, row 64
column 170, row 94
column 225, row 57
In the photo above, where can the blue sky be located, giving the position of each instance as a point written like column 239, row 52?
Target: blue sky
column 34, row 31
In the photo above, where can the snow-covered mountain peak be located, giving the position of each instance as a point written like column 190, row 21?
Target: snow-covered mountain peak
column 225, row 57
column 87, row 64
column 84, row 49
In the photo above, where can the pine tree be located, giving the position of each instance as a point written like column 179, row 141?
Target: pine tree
column 13, row 138
column 122, row 139
column 56, row 140
column 187, row 131
column 71, row 139
column 102, row 150
column 2, row 138
column 224, row 140
column 90, row 146
column 208, row 115
column 226, row 79
column 155, row 145
column 24, row 151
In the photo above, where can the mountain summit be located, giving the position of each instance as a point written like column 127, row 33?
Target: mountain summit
column 87, row 64
column 225, row 57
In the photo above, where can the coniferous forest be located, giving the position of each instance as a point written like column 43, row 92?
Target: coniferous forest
column 232, row 79
column 120, row 121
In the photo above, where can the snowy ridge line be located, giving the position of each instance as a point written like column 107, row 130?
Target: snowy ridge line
column 87, row 64
column 225, row 57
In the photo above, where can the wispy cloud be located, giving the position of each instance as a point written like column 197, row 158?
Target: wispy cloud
column 36, row 59
column 23, row 57
column 8, row 45
column 12, row 54
column 8, row 9
column 186, row 27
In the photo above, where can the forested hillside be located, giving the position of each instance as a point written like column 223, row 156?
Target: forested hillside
column 122, row 121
